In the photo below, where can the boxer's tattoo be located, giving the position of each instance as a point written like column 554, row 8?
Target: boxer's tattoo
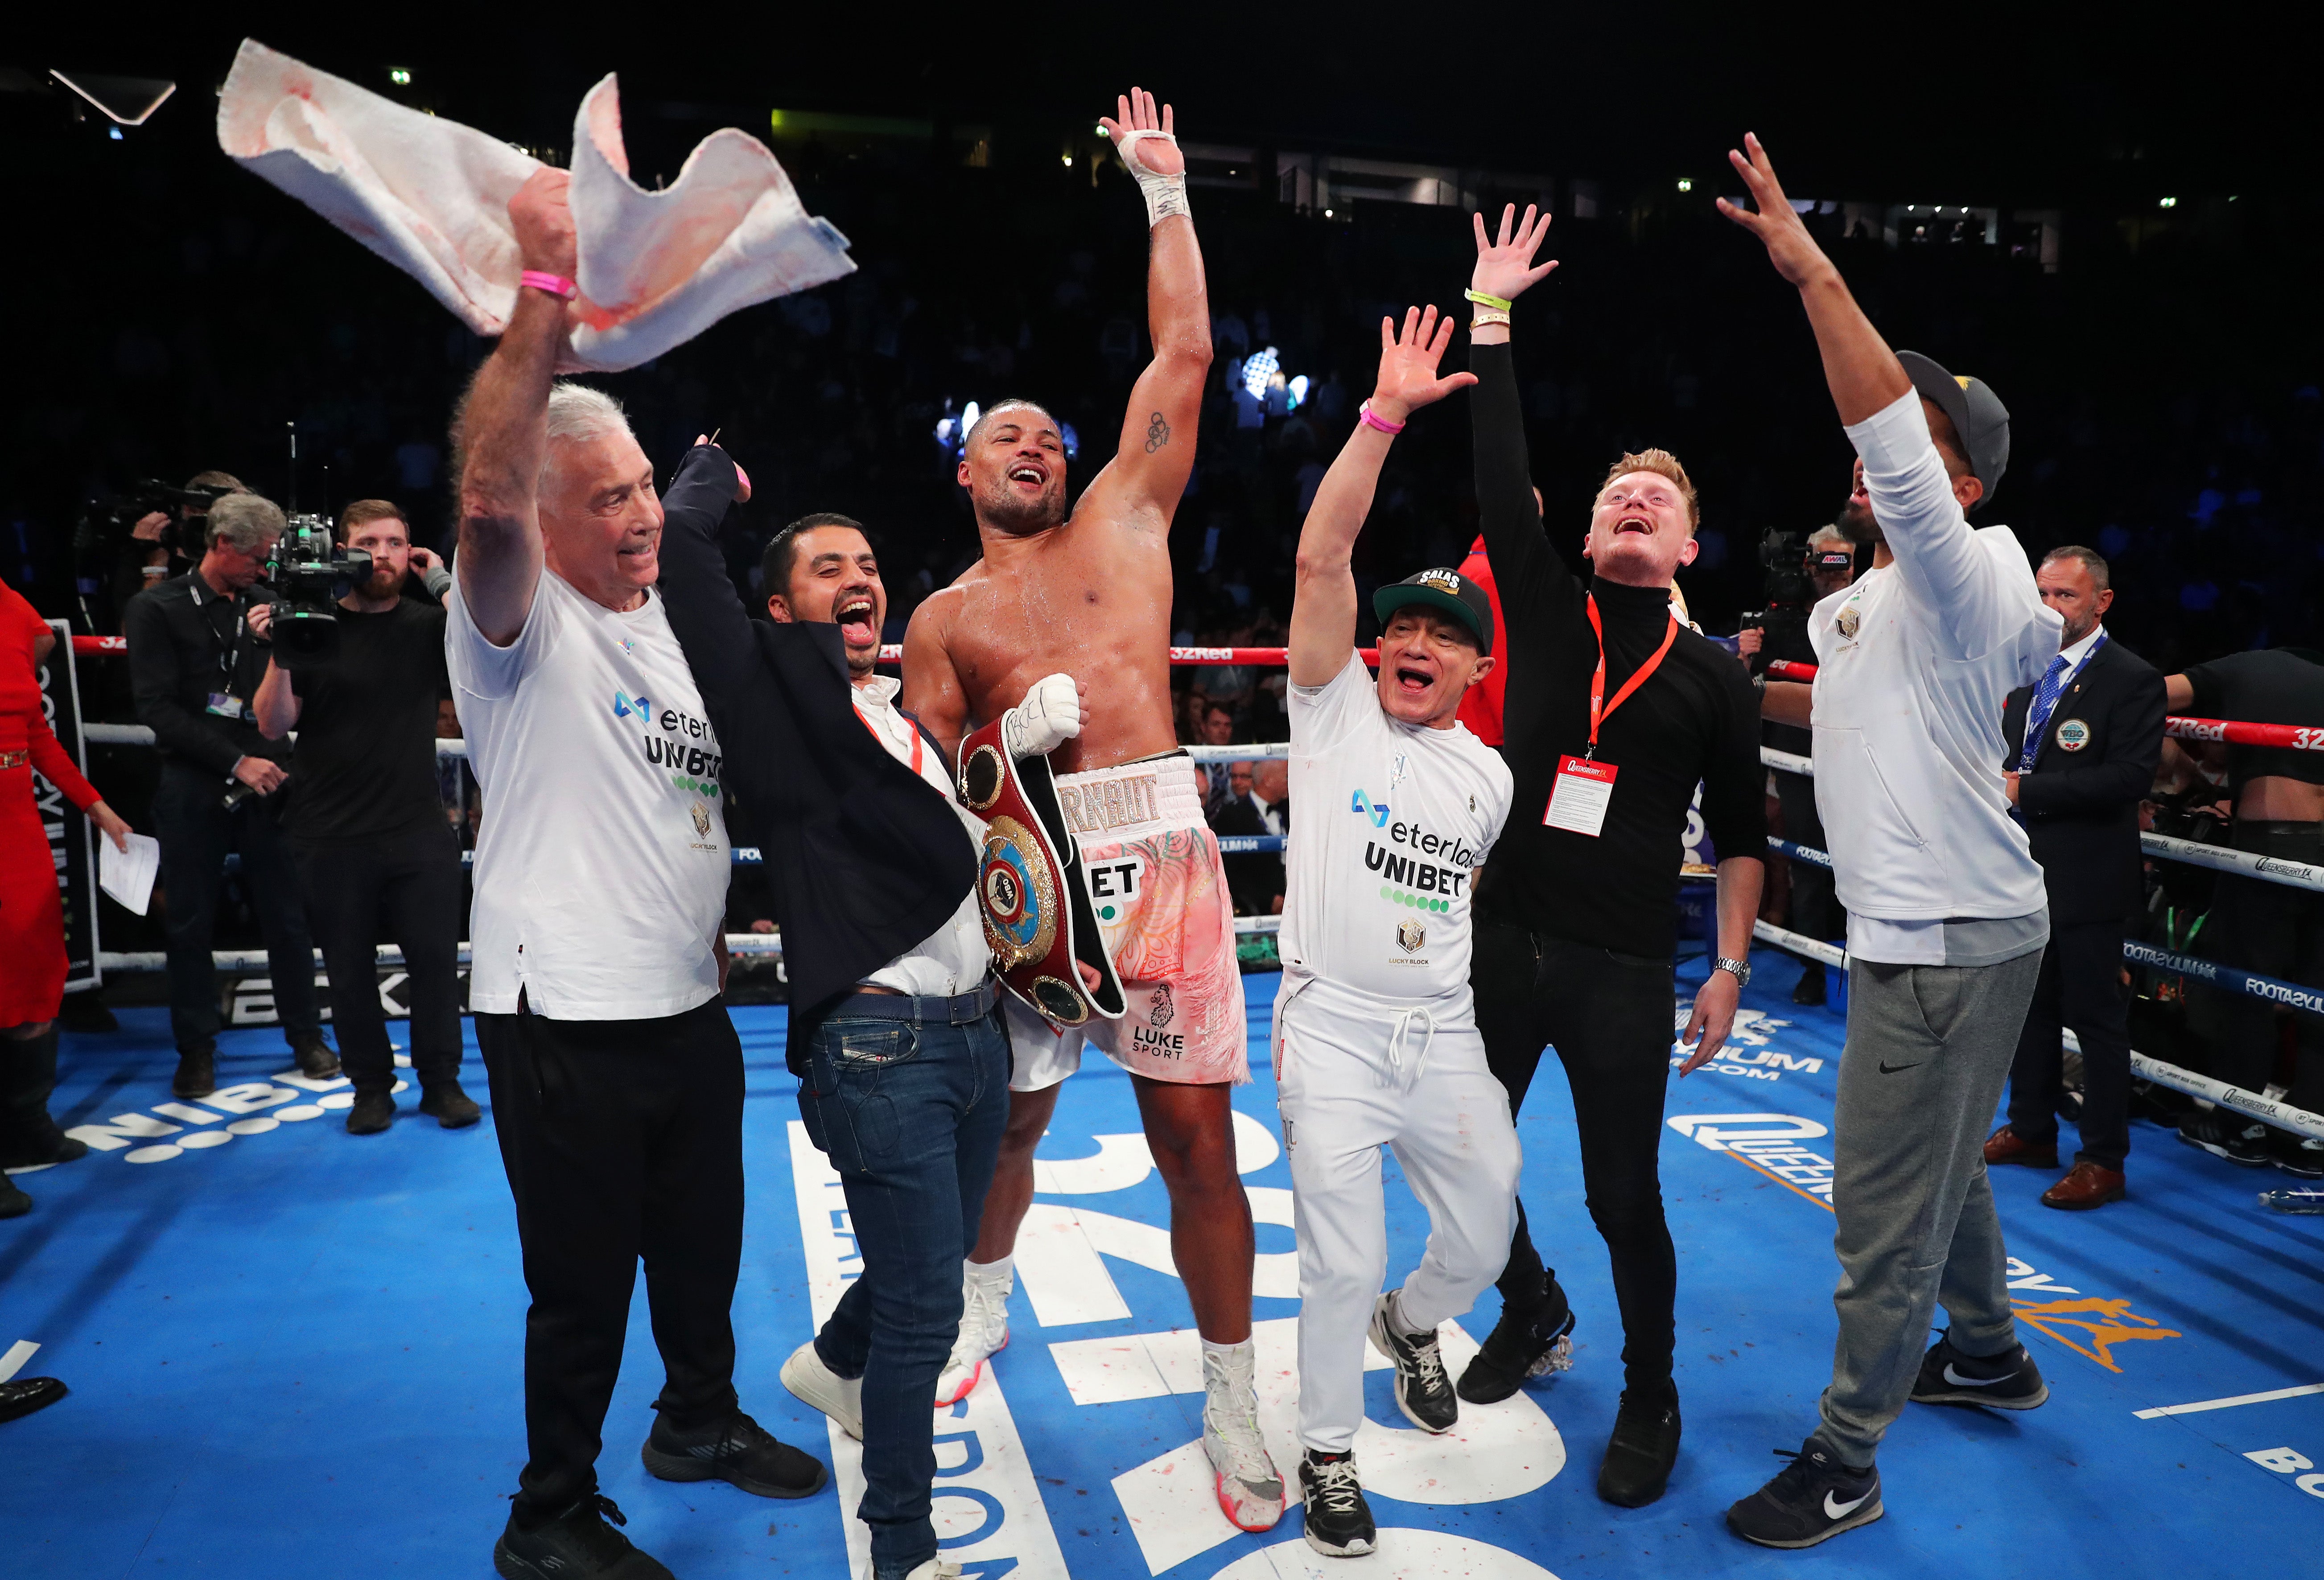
column 1157, row 433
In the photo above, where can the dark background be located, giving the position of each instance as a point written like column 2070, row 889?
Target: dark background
column 175, row 313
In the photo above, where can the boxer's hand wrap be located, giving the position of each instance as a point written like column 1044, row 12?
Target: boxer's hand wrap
column 1050, row 714
column 1164, row 195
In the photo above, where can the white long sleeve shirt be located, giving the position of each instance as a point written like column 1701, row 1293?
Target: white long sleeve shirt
column 955, row 958
column 1913, row 663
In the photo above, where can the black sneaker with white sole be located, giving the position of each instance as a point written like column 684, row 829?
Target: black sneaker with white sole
column 2008, row 1381
column 576, row 1545
column 1813, row 1499
column 1338, row 1522
column 2301, row 1156
column 2224, row 1134
column 1423, row 1392
column 740, row 1451
column 1524, row 1344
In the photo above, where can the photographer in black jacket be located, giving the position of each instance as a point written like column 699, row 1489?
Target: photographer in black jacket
column 196, row 653
column 376, row 858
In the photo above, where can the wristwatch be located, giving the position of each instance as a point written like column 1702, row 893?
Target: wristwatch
column 1739, row 969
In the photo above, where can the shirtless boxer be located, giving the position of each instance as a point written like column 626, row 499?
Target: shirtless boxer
column 1088, row 594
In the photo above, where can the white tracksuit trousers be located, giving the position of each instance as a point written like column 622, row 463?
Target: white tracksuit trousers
column 1355, row 1072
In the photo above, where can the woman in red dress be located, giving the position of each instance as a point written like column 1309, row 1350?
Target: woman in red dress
column 31, row 915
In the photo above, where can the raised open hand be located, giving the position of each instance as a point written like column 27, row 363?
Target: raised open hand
column 1407, row 370
column 1157, row 149
column 1505, row 268
column 1790, row 248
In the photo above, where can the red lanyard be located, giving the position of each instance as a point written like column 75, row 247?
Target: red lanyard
column 1601, row 709
column 918, row 744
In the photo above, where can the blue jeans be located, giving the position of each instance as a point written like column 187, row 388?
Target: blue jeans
column 910, row 1115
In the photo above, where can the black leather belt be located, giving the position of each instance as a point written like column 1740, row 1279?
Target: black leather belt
column 961, row 1010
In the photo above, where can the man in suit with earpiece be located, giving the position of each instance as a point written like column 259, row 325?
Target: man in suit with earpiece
column 2083, row 746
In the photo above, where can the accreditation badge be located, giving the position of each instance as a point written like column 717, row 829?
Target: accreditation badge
column 1583, row 790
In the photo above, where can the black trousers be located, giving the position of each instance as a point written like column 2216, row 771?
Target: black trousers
column 2081, row 986
column 1814, row 909
column 1609, row 1017
column 2278, row 931
column 622, row 1140
column 401, row 888
column 196, row 832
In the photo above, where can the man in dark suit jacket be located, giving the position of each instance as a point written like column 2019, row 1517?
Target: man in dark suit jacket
column 2083, row 746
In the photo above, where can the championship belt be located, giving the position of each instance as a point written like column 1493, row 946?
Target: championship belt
column 1030, row 887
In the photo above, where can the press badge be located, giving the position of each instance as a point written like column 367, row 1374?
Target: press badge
column 1585, row 787
column 226, row 705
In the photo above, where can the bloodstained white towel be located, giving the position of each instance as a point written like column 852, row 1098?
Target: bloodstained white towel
column 431, row 196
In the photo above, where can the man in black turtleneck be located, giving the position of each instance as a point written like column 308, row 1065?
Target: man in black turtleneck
column 1576, row 911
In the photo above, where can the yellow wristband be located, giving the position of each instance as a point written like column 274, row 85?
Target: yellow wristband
column 1482, row 300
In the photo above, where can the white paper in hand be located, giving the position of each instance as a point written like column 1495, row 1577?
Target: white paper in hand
column 128, row 875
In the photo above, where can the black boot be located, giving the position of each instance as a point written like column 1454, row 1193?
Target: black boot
column 450, row 1106
column 1643, row 1447
column 28, row 1074
column 197, row 1074
column 316, row 1060
column 1810, row 987
column 13, row 1203
column 576, row 1544
column 1526, row 1342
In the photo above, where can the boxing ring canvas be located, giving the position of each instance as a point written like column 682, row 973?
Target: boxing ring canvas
column 295, row 1351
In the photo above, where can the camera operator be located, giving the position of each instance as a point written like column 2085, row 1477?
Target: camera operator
column 376, row 856
column 1829, row 563
column 148, row 534
column 196, row 657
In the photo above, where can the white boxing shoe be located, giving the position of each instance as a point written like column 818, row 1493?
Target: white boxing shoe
column 1249, row 1487
column 984, row 1333
column 813, row 1383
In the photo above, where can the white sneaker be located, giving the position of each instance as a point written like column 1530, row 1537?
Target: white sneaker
column 1250, row 1488
column 934, row 1569
column 984, row 1333
column 813, row 1383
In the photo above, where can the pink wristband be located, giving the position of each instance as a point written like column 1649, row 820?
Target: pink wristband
column 555, row 284
column 1372, row 419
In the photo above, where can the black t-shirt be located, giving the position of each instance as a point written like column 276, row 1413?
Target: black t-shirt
column 2274, row 687
column 1695, row 721
column 365, row 763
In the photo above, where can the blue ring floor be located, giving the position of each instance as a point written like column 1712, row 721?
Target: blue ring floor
column 296, row 1352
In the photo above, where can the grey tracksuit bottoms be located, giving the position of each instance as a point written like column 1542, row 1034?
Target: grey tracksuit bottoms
column 1929, row 1049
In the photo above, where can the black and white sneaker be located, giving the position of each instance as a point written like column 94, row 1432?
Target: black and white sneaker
column 1524, row 1343
column 740, row 1451
column 1338, row 1522
column 576, row 1545
column 2008, row 1381
column 2224, row 1134
column 1813, row 1499
column 2301, row 1156
column 1423, row 1392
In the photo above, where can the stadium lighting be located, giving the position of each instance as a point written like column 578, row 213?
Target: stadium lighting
column 1684, row 185
column 1102, row 131
column 1327, row 213
column 2170, row 203
column 398, row 76
column 1069, row 162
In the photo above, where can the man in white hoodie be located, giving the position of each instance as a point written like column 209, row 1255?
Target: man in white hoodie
column 1947, row 913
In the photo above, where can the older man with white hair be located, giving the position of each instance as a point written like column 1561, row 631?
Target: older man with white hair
column 600, row 887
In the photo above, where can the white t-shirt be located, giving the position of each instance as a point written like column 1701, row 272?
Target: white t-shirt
column 1394, row 819
column 602, row 864
column 955, row 958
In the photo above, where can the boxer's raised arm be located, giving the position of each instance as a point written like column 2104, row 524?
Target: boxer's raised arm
column 1140, row 486
column 1324, row 598
column 500, row 432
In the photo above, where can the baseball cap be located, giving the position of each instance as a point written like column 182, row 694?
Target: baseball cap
column 1976, row 412
column 1441, row 589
